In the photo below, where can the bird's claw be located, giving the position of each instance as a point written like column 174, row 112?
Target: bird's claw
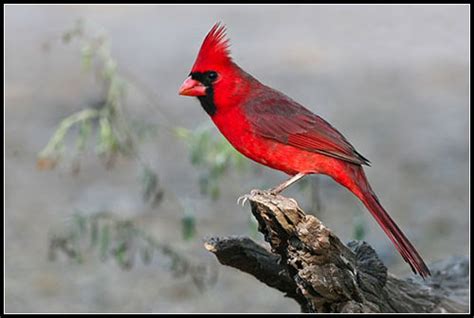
column 244, row 198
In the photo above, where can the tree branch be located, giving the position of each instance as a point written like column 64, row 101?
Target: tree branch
column 308, row 263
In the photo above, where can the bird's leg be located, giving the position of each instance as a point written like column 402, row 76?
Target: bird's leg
column 287, row 183
column 274, row 191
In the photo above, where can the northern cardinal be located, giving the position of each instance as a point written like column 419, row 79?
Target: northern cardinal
column 272, row 129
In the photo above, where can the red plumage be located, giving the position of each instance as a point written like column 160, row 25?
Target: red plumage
column 269, row 127
column 214, row 49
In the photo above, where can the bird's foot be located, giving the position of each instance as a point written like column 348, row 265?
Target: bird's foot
column 244, row 198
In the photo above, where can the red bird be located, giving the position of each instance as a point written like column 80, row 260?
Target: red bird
column 269, row 127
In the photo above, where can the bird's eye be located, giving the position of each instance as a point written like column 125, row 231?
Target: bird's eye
column 212, row 76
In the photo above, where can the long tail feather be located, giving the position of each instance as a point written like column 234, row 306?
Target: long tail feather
column 362, row 189
column 403, row 245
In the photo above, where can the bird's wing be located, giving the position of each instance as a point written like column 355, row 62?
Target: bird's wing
column 275, row 116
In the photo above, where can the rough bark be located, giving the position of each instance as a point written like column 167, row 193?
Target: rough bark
column 308, row 263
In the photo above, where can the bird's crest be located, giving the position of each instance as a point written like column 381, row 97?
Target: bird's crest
column 214, row 49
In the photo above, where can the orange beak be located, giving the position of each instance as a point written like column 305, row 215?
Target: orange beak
column 192, row 87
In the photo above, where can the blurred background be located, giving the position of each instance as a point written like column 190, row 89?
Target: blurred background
column 113, row 180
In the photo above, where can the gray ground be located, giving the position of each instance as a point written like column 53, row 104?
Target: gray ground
column 393, row 79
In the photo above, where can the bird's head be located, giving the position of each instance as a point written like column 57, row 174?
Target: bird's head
column 214, row 76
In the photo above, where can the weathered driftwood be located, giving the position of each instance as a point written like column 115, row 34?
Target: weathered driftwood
column 308, row 263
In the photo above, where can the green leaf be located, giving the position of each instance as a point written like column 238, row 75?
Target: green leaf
column 188, row 226
column 110, row 69
column 87, row 54
column 215, row 191
column 120, row 254
column 104, row 241
column 85, row 130
column 107, row 142
column 359, row 227
column 80, row 223
column 182, row 133
column 151, row 190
